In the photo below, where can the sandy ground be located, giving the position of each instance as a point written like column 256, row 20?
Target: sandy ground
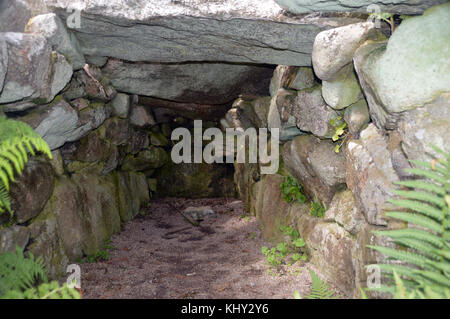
column 162, row 256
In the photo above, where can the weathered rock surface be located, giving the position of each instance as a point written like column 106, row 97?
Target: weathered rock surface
column 425, row 126
column 141, row 116
column 280, row 115
column 3, row 62
column 201, row 83
column 344, row 211
column 395, row 6
column 332, row 250
column 417, row 53
column 166, row 31
column 312, row 114
column 370, row 174
column 320, row 170
column 133, row 194
column 52, row 28
column 14, row 15
column 199, row 213
column 343, row 90
column 333, row 49
column 154, row 157
column 357, row 116
column 32, row 189
column 295, row 78
column 13, row 236
column 28, row 67
column 121, row 105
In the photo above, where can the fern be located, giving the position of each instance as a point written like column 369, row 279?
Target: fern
column 422, row 268
column 19, row 276
column 319, row 289
column 50, row 290
column 16, row 139
column 18, row 272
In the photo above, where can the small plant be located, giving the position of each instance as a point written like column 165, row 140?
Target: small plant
column 292, row 190
column 101, row 255
column 319, row 289
column 316, row 209
column 252, row 235
column 422, row 265
column 25, row 278
column 386, row 17
column 340, row 132
column 287, row 252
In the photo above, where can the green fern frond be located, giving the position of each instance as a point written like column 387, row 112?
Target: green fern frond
column 417, row 219
column 422, row 196
column 423, row 186
column 18, row 272
column 404, row 256
column 319, row 288
column 50, row 290
column 412, row 233
column 419, row 207
column 424, row 271
column 428, row 174
column 5, row 200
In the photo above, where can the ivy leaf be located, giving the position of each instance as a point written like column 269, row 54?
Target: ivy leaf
column 337, row 148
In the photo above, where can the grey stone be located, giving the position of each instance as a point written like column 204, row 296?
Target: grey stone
column 121, row 105
column 13, row 236
column 357, row 116
column 52, row 28
column 395, row 6
column 417, row 53
column 141, row 116
column 3, row 62
column 343, row 90
column 333, row 49
column 344, row 210
column 61, row 74
column 133, row 194
column 312, row 113
column 370, row 174
column 29, row 66
column 201, row 83
column 14, row 15
column 99, row 61
column 303, row 78
column 56, row 124
column 279, row 117
column 320, row 170
column 196, row 31
column 199, row 213
column 425, row 126
column 295, row 78
column 364, row 60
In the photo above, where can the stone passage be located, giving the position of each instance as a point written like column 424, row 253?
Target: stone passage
column 106, row 84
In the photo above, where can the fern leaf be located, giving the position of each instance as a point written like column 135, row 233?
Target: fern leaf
column 428, row 174
column 419, row 207
column 423, row 196
column 420, row 246
column 412, row 233
column 422, row 185
column 319, row 289
column 404, row 256
column 434, row 167
column 417, row 219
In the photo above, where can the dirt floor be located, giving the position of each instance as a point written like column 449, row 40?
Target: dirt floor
column 161, row 255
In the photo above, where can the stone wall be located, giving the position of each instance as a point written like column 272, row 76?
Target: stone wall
column 106, row 96
column 393, row 95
